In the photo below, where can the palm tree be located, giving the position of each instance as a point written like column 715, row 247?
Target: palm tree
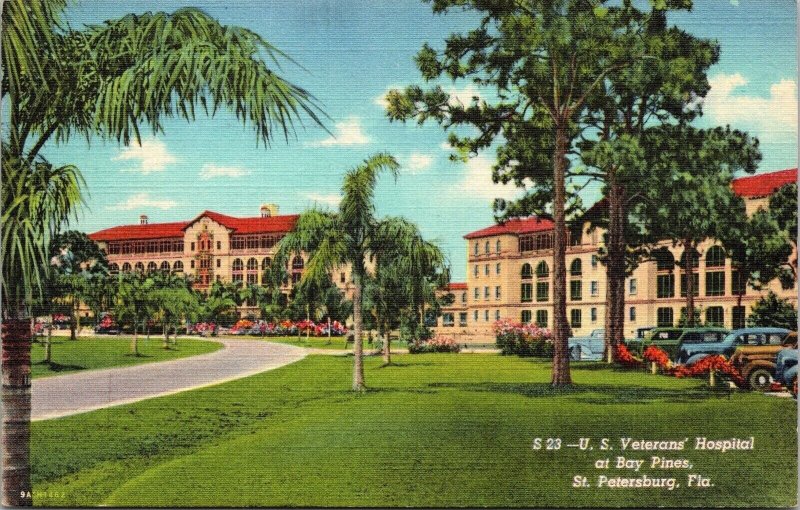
column 408, row 267
column 134, row 303
column 106, row 80
column 345, row 237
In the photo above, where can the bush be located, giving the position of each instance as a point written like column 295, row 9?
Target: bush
column 439, row 343
column 771, row 311
column 523, row 339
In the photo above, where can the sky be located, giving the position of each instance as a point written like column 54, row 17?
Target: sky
column 351, row 53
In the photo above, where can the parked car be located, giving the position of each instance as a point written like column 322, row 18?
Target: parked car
column 786, row 367
column 693, row 352
column 108, row 330
column 643, row 331
column 587, row 348
column 672, row 340
column 755, row 360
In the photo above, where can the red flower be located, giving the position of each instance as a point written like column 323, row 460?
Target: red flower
column 623, row 356
column 654, row 354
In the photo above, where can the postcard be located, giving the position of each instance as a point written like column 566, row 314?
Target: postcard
column 436, row 253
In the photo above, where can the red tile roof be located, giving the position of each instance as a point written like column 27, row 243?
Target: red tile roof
column 761, row 185
column 253, row 225
column 456, row 286
column 513, row 226
column 149, row 231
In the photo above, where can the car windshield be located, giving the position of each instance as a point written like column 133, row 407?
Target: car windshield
column 670, row 334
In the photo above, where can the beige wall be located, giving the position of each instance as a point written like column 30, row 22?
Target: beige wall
column 645, row 300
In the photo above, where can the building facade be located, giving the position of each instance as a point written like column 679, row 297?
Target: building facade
column 509, row 276
column 211, row 247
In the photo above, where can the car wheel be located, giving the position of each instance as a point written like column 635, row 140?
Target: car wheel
column 759, row 379
column 575, row 353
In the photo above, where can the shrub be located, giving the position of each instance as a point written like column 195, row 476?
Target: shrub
column 439, row 343
column 772, row 311
column 523, row 339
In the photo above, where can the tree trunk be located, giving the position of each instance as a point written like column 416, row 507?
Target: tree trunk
column 72, row 324
column 16, row 368
column 688, row 248
column 561, row 373
column 48, row 347
column 615, row 268
column 135, row 341
column 387, row 348
column 166, row 336
column 358, row 347
column 77, row 321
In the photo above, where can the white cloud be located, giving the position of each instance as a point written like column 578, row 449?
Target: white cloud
column 776, row 114
column 348, row 132
column 327, row 199
column 143, row 200
column 152, row 156
column 477, row 182
column 417, row 162
column 463, row 97
column 735, row 3
column 211, row 170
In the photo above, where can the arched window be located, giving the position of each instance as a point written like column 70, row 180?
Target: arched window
column 139, row 267
column 692, row 256
column 177, row 266
column 715, row 257
column 497, row 246
column 238, row 265
column 476, row 249
column 542, row 270
column 576, row 268
column 527, row 272
column 252, row 264
column 297, row 263
column 126, row 267
column 664, row 259
column 486, row 248
column 114, row 268
column 165, row 266
column 151, row 266
column 265, row 263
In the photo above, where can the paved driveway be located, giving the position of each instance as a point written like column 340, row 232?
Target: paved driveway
column 64, row 395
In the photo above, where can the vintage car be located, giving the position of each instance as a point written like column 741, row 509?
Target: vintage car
column 672, row 340
column 692, row 352
column 587, row 348
column 786, row 368
column 757, row 361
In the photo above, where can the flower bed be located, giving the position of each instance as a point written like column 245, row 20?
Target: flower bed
column 439, row 343
column 653, row 354
column 624, row 357
column 716, row 363
column 283, row 328
column 523, row 339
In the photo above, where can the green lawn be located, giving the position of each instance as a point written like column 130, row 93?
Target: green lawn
column 88, row 353
column 435, row 430
column 335, row 343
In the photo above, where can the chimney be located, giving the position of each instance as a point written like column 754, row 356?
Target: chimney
column 143, row 219
column 268, row 210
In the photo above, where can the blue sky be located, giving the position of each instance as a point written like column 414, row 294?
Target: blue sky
column 352, row 52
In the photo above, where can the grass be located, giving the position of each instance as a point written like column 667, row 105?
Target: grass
column 87, row 353
column 434, row 430
column 335, row 343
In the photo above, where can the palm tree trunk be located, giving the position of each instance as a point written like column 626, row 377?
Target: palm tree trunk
column 387, row 347
column 135, row 341
column 48, row 347
column 16, row 367
column 358, row 346
column 77, row 321
column 561, row 373
column 72, row 322
column 166, row 336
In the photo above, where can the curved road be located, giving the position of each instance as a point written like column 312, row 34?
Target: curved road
column 63, row 395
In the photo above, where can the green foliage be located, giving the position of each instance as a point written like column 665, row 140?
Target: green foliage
column 520, row 344
column 772, row 311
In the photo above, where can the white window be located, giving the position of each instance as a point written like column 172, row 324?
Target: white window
column 477, row 290
column 486, row 293
column 593, row 314
column 632, row 286
column 476, row 271
column 594, row 260
column 497, row 268
column 497, row 315
column 486, row 269
column 486, row 315
column 497, row 292
column 594, row 287
column 475, row 315
column 632, row 314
